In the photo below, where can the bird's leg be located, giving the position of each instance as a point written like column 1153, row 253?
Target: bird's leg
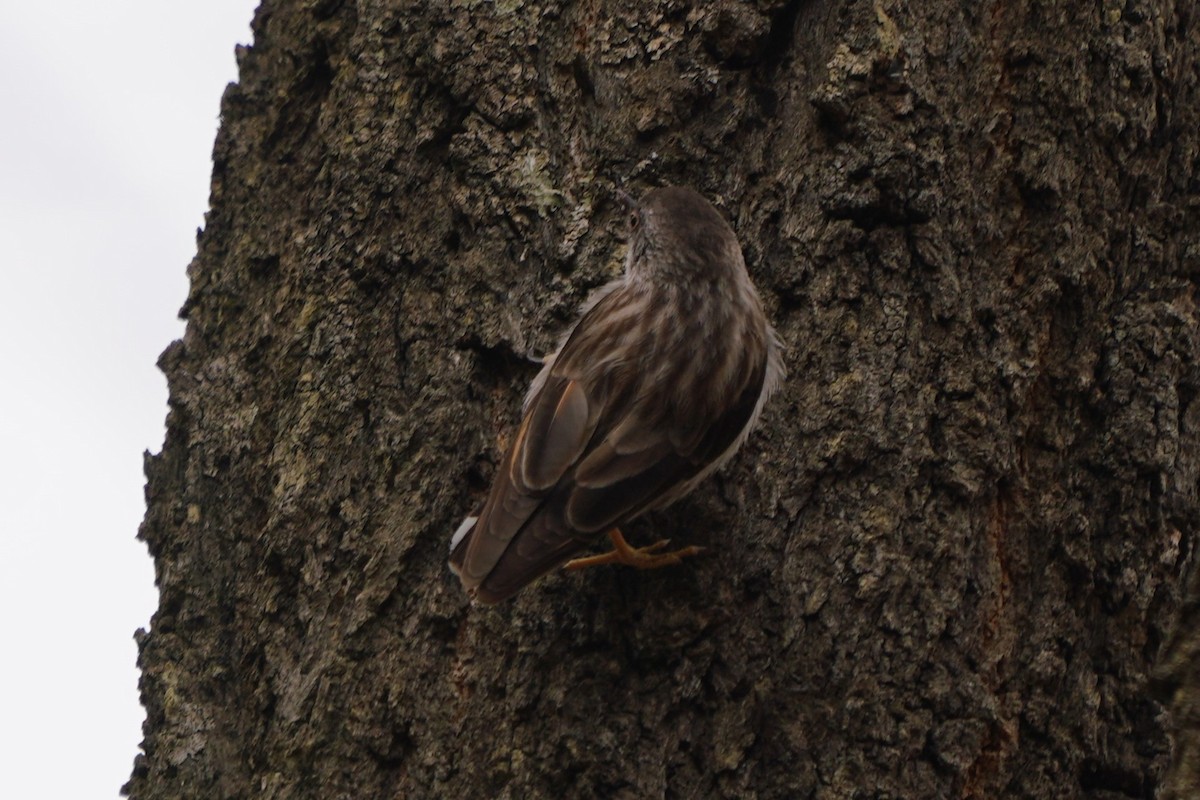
column 646, row 557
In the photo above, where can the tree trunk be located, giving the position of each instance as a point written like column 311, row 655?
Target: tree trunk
column 943, row 567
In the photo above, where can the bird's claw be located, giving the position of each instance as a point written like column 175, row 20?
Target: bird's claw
column 648, row 557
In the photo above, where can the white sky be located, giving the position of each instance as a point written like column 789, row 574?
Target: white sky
column 107, row 118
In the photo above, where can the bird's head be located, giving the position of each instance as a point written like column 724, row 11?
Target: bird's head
column 676, row 235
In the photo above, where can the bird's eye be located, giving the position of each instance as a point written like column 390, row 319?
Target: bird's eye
column 634, row 221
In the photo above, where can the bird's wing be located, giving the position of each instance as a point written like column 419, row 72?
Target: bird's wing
column 551, row 438
column 644, row 459
column 558, row 422
column 588, row 457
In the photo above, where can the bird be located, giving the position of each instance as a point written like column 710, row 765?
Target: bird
column 656, row 385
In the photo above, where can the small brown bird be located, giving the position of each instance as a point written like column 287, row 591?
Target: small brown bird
column 655, row 387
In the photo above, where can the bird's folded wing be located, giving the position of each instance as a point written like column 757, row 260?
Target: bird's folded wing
column 645, row 457
column 559, row 419
column 551, row 438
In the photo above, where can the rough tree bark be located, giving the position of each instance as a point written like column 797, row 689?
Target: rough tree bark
column 946, row 565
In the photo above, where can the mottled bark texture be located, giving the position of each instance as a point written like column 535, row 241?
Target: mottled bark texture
column 944, row 567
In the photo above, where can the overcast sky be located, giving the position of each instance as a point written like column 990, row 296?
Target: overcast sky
column 109, row 113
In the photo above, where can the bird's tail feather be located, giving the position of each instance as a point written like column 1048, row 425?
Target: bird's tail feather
column 459, row 543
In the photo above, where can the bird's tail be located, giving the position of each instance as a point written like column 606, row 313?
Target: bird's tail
column 459, row 543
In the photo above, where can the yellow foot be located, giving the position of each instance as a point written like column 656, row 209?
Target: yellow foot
column 641, row 557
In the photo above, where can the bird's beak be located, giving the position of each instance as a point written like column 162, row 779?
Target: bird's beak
column 626, row 199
